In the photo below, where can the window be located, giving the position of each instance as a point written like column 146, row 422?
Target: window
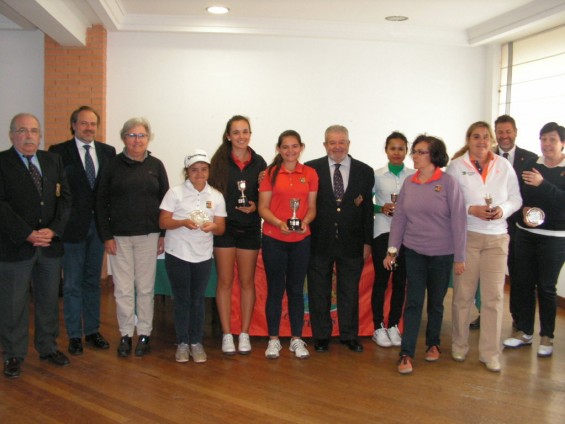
column 532, row 84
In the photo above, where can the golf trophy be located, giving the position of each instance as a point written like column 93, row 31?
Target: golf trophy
column 488, row 201
column 393, row 253
column 535, row 217
column 393, row 199
column 294, row 223
column 198, row 217
column 242, row 201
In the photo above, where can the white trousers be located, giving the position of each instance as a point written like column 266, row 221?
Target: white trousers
column 133, row 271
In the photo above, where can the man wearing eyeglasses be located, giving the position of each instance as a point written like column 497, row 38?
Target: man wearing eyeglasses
column 83, row 158
column 35, row 202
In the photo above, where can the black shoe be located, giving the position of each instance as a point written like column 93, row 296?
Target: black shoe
column 475, row 325
column 96, row 340
column 353, row 345
column 12, row 367
column 75, row 346
column 124, row 349
column 56, row 358
column 142, row 346
column 322, row 345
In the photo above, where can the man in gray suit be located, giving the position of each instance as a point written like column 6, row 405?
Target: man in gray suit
column 35, row 202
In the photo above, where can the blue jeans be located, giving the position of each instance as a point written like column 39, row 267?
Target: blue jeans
column 431, row 273
column 82, row 265
column 537, row 262
column 285, row 265
column 188, row 282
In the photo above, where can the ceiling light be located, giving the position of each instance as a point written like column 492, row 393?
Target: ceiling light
column 218, row 10
column 396, row 18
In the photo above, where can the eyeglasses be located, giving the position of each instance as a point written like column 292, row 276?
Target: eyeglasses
column 26, row 131
column 139, row 136
column 420, row 153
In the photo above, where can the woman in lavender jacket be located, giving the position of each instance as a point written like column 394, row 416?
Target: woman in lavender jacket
column 430, row 222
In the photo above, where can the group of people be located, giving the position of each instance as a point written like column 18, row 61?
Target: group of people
column 495, row 208
column 316, row 221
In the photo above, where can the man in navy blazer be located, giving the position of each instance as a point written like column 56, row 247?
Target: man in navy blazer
column 83, row 158
column 35, row 202
column 342, row 234
column 505, row 131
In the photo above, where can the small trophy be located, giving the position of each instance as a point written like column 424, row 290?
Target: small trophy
column 199, row 217
column 294, row 223
column 535, row 217
column 242, row 201
column 488, row 201
column 393, row 199
column 393, row 253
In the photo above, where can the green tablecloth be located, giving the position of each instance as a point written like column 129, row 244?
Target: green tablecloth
column 163, row 286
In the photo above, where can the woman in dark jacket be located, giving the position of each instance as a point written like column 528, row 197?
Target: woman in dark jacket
column 130, row 191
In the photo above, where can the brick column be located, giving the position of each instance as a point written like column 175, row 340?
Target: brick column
column 74, row 76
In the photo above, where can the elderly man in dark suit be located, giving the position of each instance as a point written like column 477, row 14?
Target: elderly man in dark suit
column 84, row 159
column 35, row 202
column 341, row 235
column 505, row 131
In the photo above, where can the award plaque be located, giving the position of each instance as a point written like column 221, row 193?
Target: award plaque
column 242, row 201
column 198, row 217
column 294, row 223
column 535, row 216
column 393, row 253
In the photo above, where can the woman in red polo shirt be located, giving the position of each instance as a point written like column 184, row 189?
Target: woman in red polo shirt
column 288, row 190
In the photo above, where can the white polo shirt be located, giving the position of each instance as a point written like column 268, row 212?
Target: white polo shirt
column 191, row 245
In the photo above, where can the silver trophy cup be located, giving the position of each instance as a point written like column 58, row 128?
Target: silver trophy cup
column 393, row 253
column 242, row 201
column 294, row 223
column 488, row 201
column 393, row 199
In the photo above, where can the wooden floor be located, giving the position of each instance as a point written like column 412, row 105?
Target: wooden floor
column 335, row 387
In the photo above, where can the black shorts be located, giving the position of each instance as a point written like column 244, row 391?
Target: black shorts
column 239, row 237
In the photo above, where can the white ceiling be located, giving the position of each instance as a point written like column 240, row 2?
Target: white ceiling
column 459, row 22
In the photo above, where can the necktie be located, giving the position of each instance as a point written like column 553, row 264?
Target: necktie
column 35, row 174
column 505, row 155
column 89, row 166
column 338, row 184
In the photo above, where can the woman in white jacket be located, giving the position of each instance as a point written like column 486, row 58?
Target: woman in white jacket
column 492, row 194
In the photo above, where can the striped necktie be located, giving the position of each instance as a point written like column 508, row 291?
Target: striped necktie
column 35, row 174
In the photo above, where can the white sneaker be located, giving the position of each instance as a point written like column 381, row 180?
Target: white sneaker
column 380, row 337
column 394, row 336
column 298, row 346
column 519, row 338
column 182, row 353
column 228, row 347
column 545, row 346
column 244, row 347
column 197, row 352
column 273, row 349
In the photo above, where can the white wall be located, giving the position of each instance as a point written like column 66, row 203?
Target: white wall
column 189, row 85
column 21, row 77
